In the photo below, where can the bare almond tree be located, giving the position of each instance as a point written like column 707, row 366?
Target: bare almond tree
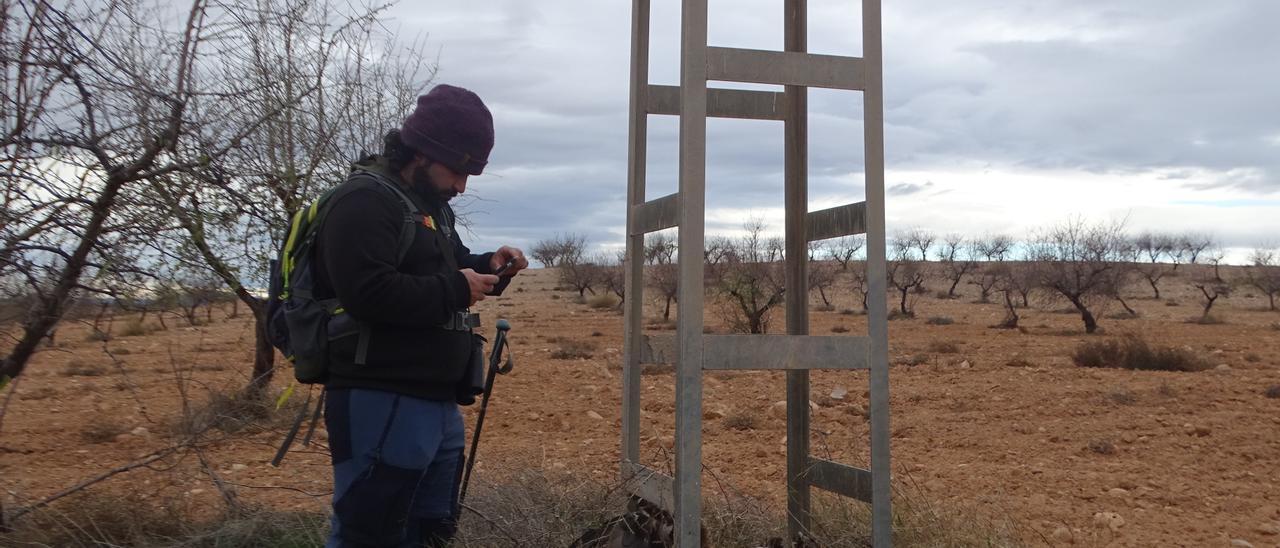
column 918, row 239
column 957, row 258
column 327, row 85
column 1264, row 273
column 993, row 247
column 822, row 277
column 1212, row 291
column 1150, row 252
column 905, row 275
column 1194, row 245
column 1079, row 262
column 97, row 102
column 749, row 284
column 845, row 249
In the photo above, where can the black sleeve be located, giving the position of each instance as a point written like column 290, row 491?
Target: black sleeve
column 360, row 237
column 478, row 263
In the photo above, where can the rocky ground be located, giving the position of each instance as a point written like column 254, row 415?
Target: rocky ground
column 996, row 421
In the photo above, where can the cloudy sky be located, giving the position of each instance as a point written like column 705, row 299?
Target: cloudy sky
column 1000, row 115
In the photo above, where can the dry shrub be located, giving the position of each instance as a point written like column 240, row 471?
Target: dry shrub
column 135, row 328
column 1121, row 396
column 1208, row 319
column 102, row 428
column 573, row 349
column 840, row 522
column 1273, row 391
column 1102, row 447
column 602, row 301
column 839, row 329
column 535, row 508
column 1019, row 362
column 1172, row 302
column 97, row 336
column 44, row 392
column 918, row 359
column 1252, row 358
column 1134, row 353
column 741, row 420
column 230, row 412
column 940, row 320
column 78, row 368
column 899, row 315
column 95, row 518
column 1275, row 326
column 944, row 347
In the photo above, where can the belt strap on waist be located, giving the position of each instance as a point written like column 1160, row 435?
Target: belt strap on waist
column 462, row 321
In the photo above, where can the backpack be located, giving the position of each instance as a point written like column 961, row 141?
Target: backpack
column 298, row 324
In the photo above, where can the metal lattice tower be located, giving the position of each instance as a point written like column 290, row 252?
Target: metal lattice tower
column 797, row 352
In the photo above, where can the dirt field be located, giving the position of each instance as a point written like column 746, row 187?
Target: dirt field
column 998, row 421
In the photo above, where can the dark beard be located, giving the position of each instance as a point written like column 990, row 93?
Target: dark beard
column 422, row 181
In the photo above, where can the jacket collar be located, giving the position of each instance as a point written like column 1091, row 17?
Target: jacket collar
column 379, row 164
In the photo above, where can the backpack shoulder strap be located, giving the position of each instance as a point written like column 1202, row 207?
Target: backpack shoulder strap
column 412, row 215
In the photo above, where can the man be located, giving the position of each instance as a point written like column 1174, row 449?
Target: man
column 395, row 431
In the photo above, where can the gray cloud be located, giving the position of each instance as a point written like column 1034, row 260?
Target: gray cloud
column 1180, row 86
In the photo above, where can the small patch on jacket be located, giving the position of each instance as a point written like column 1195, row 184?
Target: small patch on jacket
column 429, row 222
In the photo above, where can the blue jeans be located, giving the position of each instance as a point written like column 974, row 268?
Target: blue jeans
column 397, row 463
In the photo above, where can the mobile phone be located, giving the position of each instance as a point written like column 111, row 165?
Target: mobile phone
column 504, row 267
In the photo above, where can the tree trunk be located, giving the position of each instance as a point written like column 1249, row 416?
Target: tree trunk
column 1154, row 287
column 264, row 355
column 951, row 293
column 1090, row 323
column 903, row 304
column 1131, row 311
column 51, row 308
column 1011, row 314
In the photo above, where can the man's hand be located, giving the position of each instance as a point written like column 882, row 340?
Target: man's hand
column 479, row 283
column 505, row 254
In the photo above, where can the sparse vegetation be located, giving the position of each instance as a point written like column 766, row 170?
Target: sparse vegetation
column 102, row 429
column 1273, row 391
column 570, row 349
column 228, row 412
column 839, row 329
column 96, row 518
column 1135, row 353
column 1102, row 447
column 944, row 347
column 79, row 368
column 1121, row 396
column 940, row 320
column 741, row 420
column 135, row 328
column 603, row 301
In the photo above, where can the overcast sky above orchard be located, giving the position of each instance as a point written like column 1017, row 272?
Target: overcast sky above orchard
column 1000, row 115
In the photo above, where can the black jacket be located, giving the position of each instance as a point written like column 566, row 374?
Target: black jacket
column 403, row 304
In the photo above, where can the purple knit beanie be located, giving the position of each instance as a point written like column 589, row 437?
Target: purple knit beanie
column 452, row 126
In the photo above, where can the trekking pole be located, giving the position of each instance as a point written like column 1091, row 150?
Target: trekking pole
column 496, row 367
